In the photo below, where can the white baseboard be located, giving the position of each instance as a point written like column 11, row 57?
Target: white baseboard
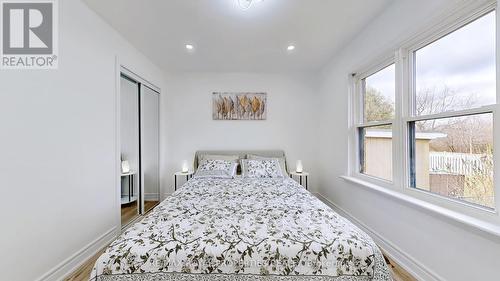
column 66, row 267
column 151, row 196
column 403, row 259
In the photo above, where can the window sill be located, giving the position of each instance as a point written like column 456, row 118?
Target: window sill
column 466, row 220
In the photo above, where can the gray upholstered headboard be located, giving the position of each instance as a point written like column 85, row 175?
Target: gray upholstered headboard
column 241, row 153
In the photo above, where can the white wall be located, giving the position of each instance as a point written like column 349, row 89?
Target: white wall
column 447, row 250
column 291, row 122
column 58, row 146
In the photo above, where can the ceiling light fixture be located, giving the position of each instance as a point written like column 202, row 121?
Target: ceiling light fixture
column 290, row 48
column 189, row 47
column 246, row 4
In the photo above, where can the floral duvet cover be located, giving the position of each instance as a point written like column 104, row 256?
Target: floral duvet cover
column 242, row 229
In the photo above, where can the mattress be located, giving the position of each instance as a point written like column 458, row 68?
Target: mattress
column 242, row 229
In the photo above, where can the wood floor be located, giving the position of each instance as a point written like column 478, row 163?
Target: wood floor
column 129, row 211
column 83, row 273
column 398, row 273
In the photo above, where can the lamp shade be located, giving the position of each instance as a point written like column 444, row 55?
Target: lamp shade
column 125, row 167
column 185, row 166
column 298, row 166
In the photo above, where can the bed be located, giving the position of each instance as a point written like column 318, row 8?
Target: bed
column 242, row 229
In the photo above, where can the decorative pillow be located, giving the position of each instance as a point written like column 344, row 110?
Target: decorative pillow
column 261, row 168
column 214, row 168
column 203, row 157
column 281, row 161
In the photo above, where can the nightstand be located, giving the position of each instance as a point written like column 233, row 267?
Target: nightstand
column 188, row 176
column 302, row 176
column 130, row 197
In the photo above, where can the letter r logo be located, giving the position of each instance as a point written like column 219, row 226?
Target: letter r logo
column 27, row 28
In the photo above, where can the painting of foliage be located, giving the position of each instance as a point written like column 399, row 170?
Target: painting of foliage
column 239, row 106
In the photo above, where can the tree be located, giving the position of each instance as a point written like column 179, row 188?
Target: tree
column 433, row 101
column 467, row 134
column 478, row 186
column 377, row 106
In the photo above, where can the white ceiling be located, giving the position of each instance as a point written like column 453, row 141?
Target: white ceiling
column 227, row 38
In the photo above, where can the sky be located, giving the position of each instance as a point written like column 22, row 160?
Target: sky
column 384, row 81
column 464, row 61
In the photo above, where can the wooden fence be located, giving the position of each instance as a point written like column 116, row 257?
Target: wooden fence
column 457, row 163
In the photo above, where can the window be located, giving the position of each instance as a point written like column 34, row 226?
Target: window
column 451, row 134
column 454, row 157
column 379, row 94
column 434, row 132
column 457, row 72
column 375, row 142
column 376, row 151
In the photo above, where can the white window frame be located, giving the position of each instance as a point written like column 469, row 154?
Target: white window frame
column 402, row 57
column 359, row 122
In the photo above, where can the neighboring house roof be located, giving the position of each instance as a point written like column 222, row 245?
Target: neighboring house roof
column 388, row 134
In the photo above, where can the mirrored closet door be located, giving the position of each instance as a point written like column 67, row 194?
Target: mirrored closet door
column 129, row 140
column 139, row 138
column 150, row 150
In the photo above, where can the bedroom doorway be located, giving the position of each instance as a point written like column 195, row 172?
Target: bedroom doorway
column 139, row 146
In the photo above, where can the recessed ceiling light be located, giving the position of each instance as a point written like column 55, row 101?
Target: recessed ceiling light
column 290, row 48
column 246, row 4
column 189, row 47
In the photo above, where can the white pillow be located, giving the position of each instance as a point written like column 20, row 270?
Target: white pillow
column 215, row 168
column 203, row 157
column 281, row 160
column 261, row 168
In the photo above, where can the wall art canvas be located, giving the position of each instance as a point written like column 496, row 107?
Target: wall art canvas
column 239, row 106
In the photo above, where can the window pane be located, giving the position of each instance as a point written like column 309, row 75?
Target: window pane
column 376, row 151
column 457, row 71
column 454, row 157
column 379, row 95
